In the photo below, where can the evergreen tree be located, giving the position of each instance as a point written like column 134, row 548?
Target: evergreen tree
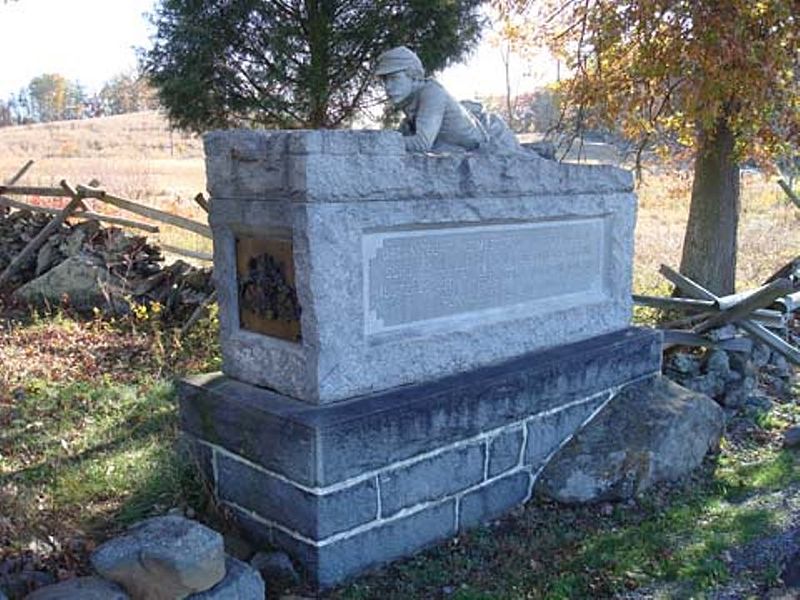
column 291, row 63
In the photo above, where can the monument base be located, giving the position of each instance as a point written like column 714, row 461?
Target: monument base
column 351, row 485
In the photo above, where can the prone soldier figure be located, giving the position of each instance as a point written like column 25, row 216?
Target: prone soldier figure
column 434, row 120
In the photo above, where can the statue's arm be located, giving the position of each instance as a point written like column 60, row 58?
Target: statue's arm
column 428, row 121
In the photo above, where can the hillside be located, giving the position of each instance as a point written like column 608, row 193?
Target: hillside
column 134, row 155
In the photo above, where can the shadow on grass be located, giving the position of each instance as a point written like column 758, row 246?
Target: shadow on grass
column 121, row 439
column 121, row 464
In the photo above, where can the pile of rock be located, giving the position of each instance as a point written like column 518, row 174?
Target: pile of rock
column 735, row 379
column 163, row 558
column 90, row 265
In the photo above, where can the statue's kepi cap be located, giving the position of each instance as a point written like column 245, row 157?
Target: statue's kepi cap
column 398, row 59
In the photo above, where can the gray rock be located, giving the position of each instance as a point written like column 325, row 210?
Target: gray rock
column 791, row 438
column 779, row 365
column 163, row 558
column 81, row 279
column 685, row 364
column 276, row 568
column 46, row 257
column 17, row 584
column 709, row 384
column 718, row 363
column 726, row 332
column 83, row 588
column 242, row 582
column 73, row 244
column 759, row 403
column 737, row 392
column 761, row 355
column 741, row 363
column 652, row 431
column 777, row 384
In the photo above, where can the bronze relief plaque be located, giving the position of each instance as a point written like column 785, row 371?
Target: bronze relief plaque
column 268, row 301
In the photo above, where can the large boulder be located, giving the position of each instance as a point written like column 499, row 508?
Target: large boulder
column 82, row 280
column 164, row 558
column 652, row 431
column 85, row 588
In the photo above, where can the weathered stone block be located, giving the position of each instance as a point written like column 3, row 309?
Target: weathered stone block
column 163, row 557
column 313, row 515
column 333, row 562
column 432, row 478
column 546, row 433
column 504, row 451
column 319, row 446
column 494, row 498
column 398, row 286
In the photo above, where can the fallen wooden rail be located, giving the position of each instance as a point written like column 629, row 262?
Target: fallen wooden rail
column 774, row 319
column 746, row 310
column 146, row 211
column 77, row 209
column 117, row 201
column 80, row 214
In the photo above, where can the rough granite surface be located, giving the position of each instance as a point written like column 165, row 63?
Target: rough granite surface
column 242, row 582
column 653, row 431
column 334, row 193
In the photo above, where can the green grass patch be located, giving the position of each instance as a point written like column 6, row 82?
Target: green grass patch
column 97, row 454
column 81, row 453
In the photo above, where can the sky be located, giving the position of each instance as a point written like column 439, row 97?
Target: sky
column 93, row 40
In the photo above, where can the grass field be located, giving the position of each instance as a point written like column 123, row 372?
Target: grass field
column 87, row 417
column 134, row 156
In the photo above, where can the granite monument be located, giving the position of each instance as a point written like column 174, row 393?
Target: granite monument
column 410, row 326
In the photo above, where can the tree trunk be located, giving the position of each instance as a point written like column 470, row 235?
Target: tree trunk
column 320, row 17
column 709, row 246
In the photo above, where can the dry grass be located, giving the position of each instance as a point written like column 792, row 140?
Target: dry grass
column 769, row 228
column 133, row 155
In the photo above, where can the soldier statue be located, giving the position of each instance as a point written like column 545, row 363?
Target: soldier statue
column 434, row 120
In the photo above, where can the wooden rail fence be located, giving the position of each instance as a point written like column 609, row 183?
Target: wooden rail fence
column 76, row 208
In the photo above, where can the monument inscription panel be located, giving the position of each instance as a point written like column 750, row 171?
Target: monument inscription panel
column 426, row 275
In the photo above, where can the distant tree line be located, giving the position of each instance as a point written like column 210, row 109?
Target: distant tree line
column 52, row 97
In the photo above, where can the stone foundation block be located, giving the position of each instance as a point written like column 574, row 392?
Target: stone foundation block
column 504, row 451
column 494, row 498
column 351, row 485
column 310, row 514
column 432, row 478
